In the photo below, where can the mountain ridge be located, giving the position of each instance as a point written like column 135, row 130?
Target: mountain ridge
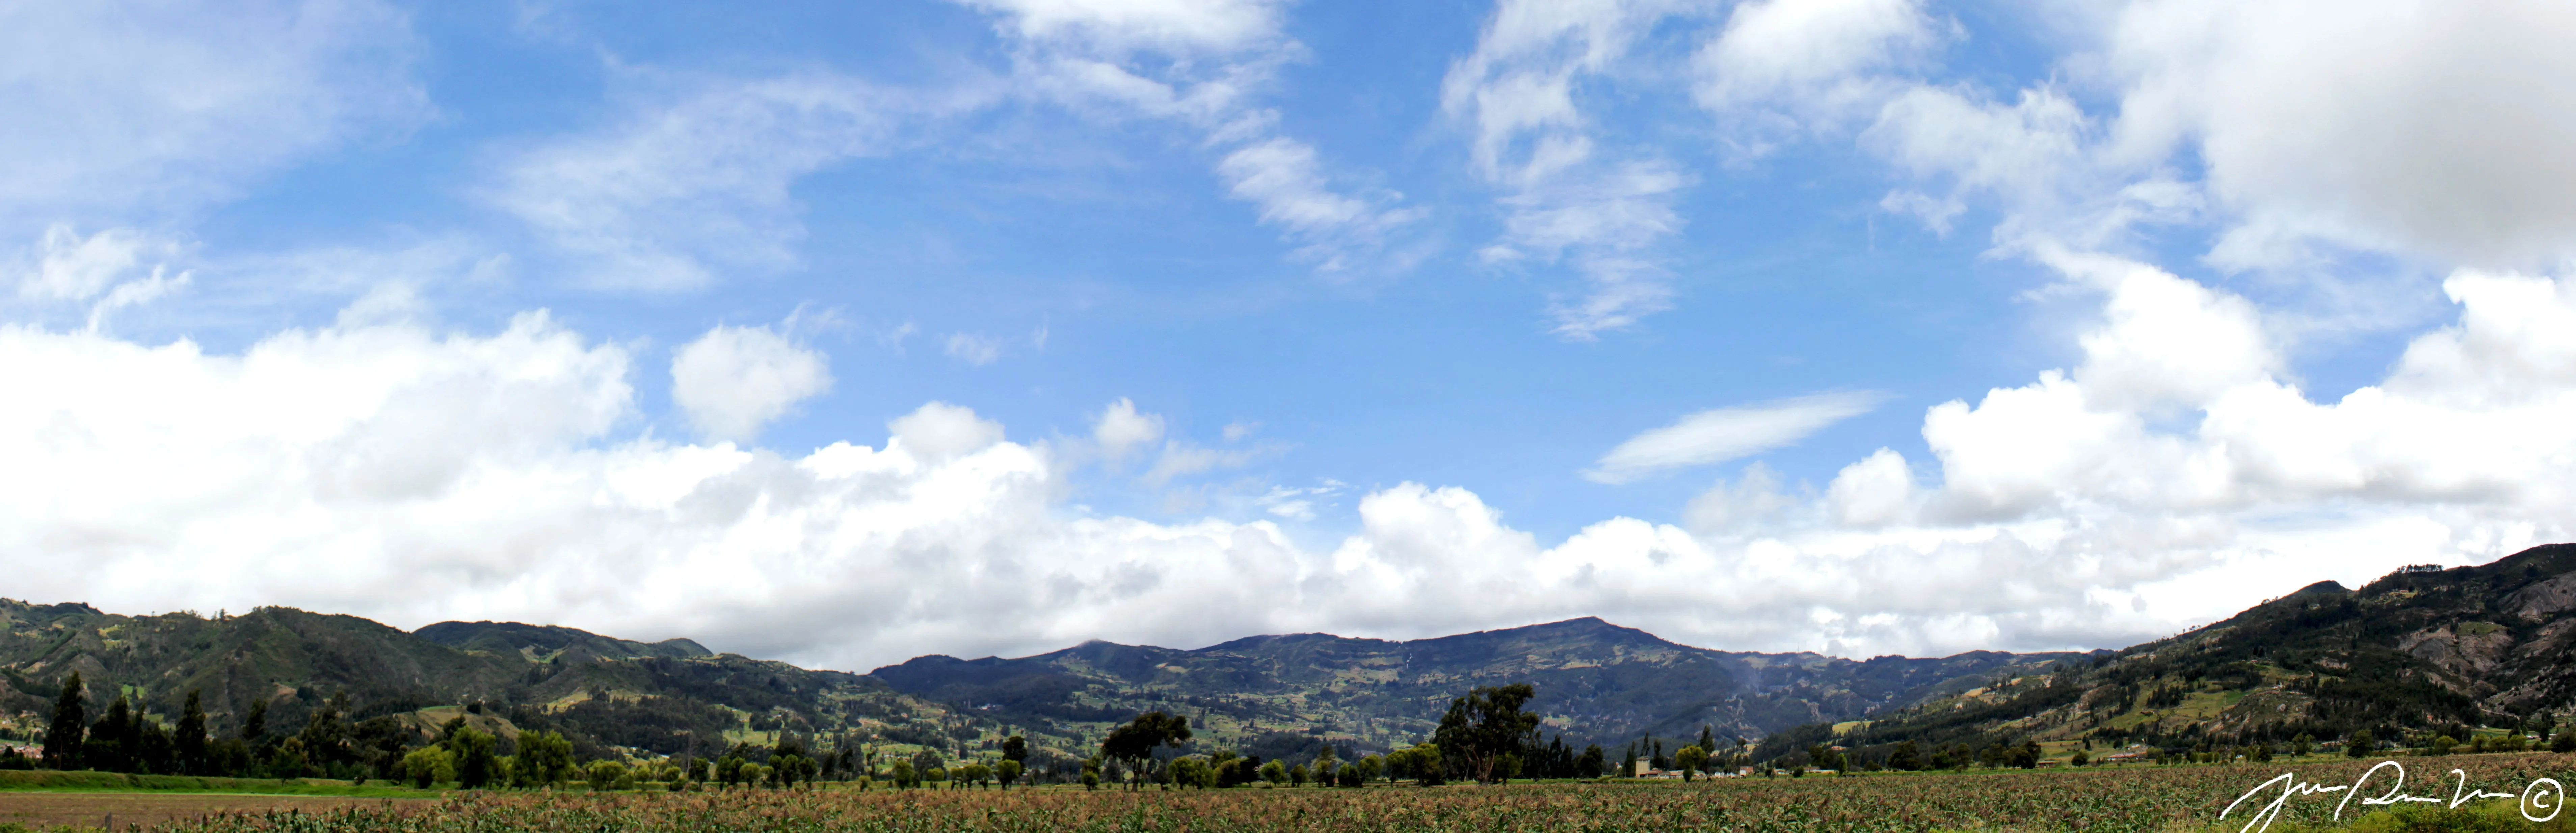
column 2419, row 653
column 1598, row 681
column 2445, row 644
column 1265, row 690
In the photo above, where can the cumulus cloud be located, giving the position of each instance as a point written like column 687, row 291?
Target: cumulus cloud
column 734, row 380
column 2174, row 471
column 2028, row 153
column 1721, row 434
column 2436, row 129
column 2301, row 130
column 2430, row 434
column 414, row 475
column 1121, row 429
column 116, row 113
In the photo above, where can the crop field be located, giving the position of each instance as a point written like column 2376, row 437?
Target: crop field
column 135, row 811
column 2135, row 798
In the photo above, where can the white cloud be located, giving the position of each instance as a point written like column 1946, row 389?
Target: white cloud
column 2436, row 430
column 66, row 268
column 2164, row 340
column 1203, row 64
column 116, row 113
column 734, row 380
column 1297, row 503
column 1119, row 26
column 1802, row 66
column 2301, row 130
column 693, row 180
column 1282, row 176
column 1753, row 504
column 69, row 267
column 1936, row 214
column 1721, row 434
column 1877, row 491
column 1564, row 198
column 974, row 348
column 1182, row 458
column 2175, row 471
column 2028, row 152
column 412, row 476
column 138, row 292
column 1121, row 429
column 402, row 473
column 940, row 432
column 2437, row 129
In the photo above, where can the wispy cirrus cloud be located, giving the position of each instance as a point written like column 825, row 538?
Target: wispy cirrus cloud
column 1566, row 197
column 1730, row 433
column 693, row 178
column 1205, row 65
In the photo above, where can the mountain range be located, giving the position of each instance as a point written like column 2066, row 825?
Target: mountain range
column 2421, row 648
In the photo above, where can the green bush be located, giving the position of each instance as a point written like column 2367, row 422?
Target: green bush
column 85, row 781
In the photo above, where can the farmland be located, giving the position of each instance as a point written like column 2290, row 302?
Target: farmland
column 2136, row 798
column 134, row 811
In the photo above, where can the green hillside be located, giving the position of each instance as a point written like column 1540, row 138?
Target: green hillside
column 605, row 694
column 1268, row 695
column 2423, row 650
column 2418, row 653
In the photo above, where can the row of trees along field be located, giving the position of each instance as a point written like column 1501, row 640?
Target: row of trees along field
column 331, row 745
column 1486, row 737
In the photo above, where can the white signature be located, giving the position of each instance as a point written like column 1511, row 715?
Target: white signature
column 2542, row 794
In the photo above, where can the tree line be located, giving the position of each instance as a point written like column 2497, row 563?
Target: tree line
column 332, row 745
column 1487, row 736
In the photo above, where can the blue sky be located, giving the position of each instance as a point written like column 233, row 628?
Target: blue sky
column 1749, row 323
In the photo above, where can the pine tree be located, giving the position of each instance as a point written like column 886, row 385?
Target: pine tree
column 256, row 725
column 190, row 744
column 70, row 728
column 112, row 740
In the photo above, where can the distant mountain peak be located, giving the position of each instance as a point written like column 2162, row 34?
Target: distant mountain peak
column 548, row 640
